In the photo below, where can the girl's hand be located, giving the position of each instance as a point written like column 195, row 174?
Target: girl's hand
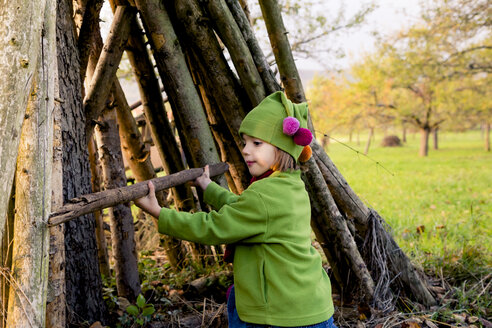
column 149, row 203
column 203, row 180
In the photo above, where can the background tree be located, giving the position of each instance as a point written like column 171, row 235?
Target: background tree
column 313, row 26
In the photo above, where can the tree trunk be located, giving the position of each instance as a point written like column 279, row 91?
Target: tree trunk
column 138, row 158
column 184, row 99
column 21, row 48
column 404, row 133
column 281, row 49
column 102, row 249
column 108, row 61
column 86, row 17
column 220, row 92
column 424, row 141
column 368, row 142
column 56, row 300
column 196, row 138
column 435, row 134
column 156, row 116
column 230, row 34
column 487, row 137
column 227, row 92
column 84, row 300
column 122, row 229
column 240, row 13
column 87, row 20
column 6, row 257
column 30, row 257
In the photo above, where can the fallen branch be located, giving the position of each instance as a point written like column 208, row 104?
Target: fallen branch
column 97, row 201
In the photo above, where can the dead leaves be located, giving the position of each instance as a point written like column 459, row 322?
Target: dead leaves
column 398, row 320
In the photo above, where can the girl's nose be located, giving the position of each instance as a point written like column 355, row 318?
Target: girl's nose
column 245, row 150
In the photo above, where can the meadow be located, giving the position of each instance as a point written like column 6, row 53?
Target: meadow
column 438, row 207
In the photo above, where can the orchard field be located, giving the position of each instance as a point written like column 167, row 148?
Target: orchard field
column 438, row 207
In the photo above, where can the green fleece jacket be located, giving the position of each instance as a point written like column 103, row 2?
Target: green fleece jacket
column 278, row 277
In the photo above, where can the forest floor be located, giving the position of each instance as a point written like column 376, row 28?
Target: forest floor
column 439, row 209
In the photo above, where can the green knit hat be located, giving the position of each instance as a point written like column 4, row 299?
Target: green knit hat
column 279, row 122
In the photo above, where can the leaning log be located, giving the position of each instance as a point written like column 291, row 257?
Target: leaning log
column 21, row 48
column 108, row 198
column 100, row 86
column 229, row 33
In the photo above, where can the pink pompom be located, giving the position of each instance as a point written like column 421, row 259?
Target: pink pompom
column 303, row 137
column 290, row 125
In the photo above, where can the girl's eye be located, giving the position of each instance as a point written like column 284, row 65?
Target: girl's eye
column 256, row 143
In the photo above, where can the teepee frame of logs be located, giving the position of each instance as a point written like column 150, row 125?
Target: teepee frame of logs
column 179, row 44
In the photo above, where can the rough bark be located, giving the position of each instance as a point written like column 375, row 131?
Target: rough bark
column 30, row 257
column 229, row 33
column 104, row 73
column 424, row 141
column 289, row 77
column 218, row 88
column 88, row 25
column 96, row 201
column 241, row 16
column 120, row 216
column 138, row 157
column 237, row 177
column 56, row 300
column 83, row 282
column 219, row 77
column 6, row 258
column 102, row 249
column 155, row 114
column 183, row 96
column 110, row 155
column 21, row 48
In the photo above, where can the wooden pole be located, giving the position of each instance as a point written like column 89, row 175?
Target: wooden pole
column 101, row 83
column 230, row 34
column 104, row 199
column 269, row 81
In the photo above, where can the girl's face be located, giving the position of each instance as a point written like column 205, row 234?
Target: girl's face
column 258, row 154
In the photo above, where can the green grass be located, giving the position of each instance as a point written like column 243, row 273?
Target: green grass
column 449, row 193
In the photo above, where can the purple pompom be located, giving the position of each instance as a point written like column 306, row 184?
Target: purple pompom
column 303, row 137
column 290, row 125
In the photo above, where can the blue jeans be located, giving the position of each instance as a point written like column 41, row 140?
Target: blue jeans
column 235, row 322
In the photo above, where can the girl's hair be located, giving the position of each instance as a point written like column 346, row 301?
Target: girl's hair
column 283, row 161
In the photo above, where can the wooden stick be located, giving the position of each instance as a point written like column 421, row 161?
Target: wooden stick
column 104, row 199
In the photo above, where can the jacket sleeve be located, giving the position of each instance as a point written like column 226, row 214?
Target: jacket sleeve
column 244, row 220
column 216, row 196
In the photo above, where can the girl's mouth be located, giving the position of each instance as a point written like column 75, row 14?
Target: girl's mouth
column 249, row 163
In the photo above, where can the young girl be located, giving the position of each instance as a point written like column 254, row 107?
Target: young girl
column 278, row 277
